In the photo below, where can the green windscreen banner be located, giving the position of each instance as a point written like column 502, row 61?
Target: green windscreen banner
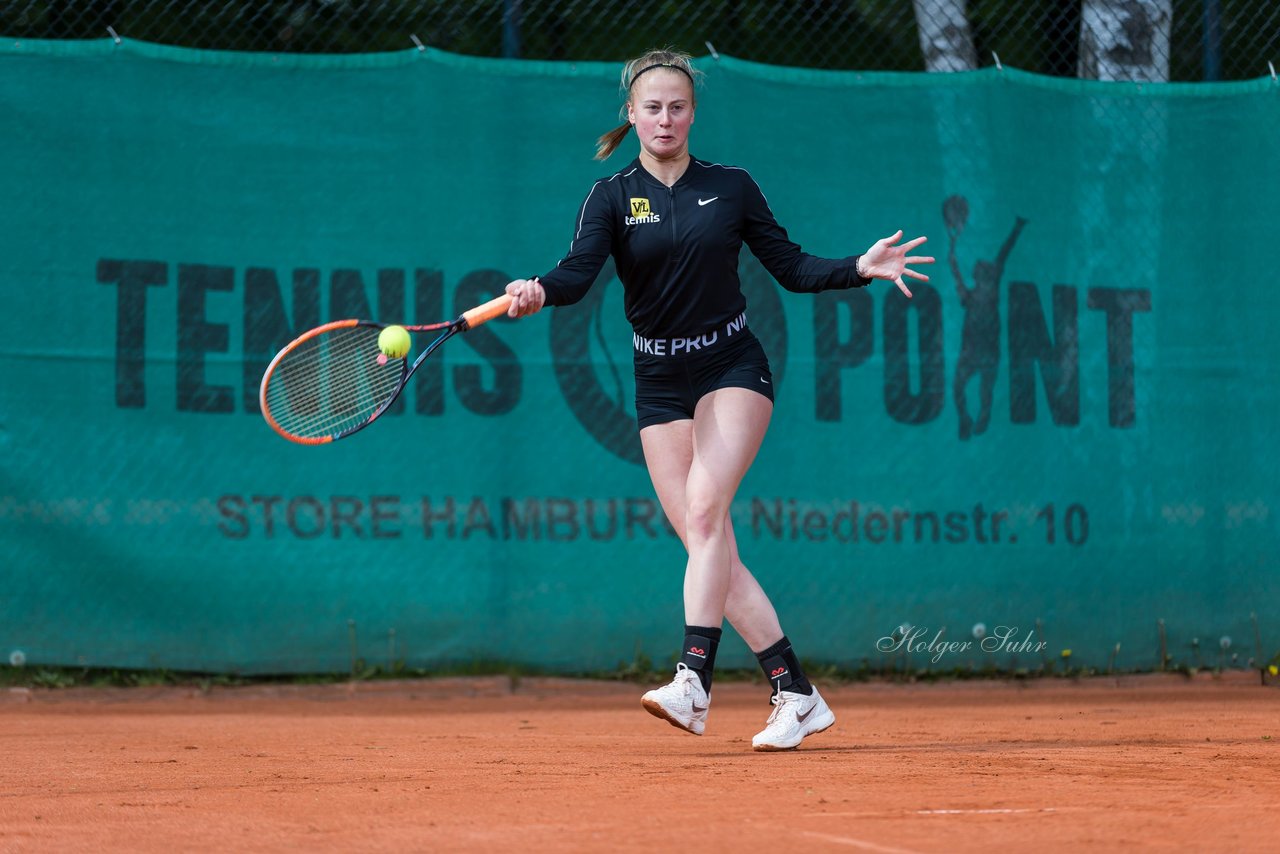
column 1066, row 441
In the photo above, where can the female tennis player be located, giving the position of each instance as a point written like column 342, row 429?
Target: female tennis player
column 674, row 225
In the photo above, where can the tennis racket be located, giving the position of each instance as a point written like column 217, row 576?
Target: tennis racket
column 334, row 380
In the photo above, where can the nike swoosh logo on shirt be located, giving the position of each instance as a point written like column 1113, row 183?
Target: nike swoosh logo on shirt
column 702, row 202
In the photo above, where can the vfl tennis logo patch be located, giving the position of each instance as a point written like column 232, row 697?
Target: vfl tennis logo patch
column 641, row 213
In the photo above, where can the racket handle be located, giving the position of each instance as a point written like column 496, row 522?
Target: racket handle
column 486, row 312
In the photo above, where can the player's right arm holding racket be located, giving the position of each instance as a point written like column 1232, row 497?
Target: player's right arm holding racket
column 592, row 244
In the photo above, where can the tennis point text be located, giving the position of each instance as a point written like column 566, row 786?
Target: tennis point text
column 214, row 311
column 563, row 519
column 1001, row 639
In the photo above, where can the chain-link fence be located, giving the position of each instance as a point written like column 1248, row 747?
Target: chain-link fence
column 203, row 213
column 1186, row 40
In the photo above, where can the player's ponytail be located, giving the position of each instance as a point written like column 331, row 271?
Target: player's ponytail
column 609, row 142
column 682, row 62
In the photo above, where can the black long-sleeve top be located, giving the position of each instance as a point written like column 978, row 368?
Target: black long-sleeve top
column 676, row 248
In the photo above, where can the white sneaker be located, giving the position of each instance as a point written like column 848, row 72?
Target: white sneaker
column 794, row 716
column 682, row 703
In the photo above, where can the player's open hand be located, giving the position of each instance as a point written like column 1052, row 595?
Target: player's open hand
column 527, row 297
column 887, row 260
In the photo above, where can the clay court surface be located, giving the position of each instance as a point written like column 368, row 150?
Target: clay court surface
column 1148, row 763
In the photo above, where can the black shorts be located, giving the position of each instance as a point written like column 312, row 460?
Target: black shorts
column 669, row 387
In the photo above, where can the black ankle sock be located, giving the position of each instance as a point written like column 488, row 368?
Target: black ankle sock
column 699, row 651
column 782, row 668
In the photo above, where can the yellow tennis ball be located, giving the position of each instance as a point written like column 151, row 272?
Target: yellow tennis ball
column 394, row 342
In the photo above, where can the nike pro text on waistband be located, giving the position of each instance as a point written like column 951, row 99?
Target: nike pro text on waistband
column 685, row 346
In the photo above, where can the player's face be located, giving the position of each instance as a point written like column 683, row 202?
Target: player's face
column 661, row 108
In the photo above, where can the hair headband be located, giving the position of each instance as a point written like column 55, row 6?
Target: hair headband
column 672, row 65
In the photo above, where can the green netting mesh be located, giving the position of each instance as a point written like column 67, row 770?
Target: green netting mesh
column 1070, row 432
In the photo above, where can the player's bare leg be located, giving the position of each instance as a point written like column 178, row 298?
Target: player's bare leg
column 696, row 473
column 728, row 426
column 746, row 606
column 672, row 454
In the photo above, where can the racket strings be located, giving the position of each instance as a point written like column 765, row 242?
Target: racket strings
column 331, row 383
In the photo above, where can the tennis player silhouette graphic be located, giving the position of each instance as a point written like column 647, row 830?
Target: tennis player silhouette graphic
column 980, row 336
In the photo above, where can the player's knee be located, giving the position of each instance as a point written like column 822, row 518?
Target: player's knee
column 704, row 519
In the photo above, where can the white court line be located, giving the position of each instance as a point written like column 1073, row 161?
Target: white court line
column 980, row 812
column 858, row 843
column 884, row 813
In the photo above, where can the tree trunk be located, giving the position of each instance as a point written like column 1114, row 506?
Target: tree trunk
column 945, row 39
column 1125, row 40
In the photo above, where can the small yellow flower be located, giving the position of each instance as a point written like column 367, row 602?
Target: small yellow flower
column 1066, row 653
column 1275, row 671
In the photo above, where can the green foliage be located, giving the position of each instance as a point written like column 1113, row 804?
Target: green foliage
column 849, row 34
